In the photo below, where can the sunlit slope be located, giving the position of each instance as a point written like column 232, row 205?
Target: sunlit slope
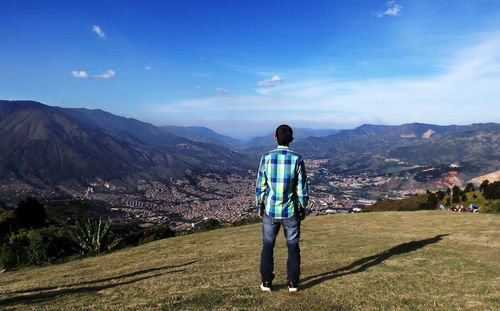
column 372, row 261
column 414, row 203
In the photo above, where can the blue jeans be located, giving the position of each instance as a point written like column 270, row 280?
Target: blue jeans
column 270, row 229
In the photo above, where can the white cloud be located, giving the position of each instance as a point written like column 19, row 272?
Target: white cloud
column 197, row 87
column 99, row 31
column 84, row 75
column 392, row 10
column 276, row 80
column 80, row 74
column 148, row 67
column 221, row 90
column 465, row 91
column 107, row 75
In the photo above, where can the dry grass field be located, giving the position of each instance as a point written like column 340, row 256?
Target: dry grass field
column 373, row 261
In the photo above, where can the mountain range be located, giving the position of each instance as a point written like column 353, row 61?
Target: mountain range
column 427, row 152
column 45, row 146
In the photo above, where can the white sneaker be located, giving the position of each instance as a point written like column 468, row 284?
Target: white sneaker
column 266, row 286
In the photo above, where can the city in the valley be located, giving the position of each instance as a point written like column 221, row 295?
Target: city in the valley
column 182, row 203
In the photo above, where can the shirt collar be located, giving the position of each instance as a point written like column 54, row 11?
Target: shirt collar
column 282, row 147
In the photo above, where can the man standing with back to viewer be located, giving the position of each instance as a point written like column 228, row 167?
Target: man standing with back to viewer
column 281, row 200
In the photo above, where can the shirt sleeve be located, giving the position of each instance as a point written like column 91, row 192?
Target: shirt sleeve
column 261, row 184
column 302, row 188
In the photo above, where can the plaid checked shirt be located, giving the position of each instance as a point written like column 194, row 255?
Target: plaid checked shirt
column 282, row 178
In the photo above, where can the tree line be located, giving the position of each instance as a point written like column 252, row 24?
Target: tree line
column 490, row 191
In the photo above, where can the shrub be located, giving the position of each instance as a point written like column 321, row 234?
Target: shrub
column 19, row 243
column 8, row 225
column 440, row 194
column 469, row 187
column 456, row 194
column 246, row 221
column 129, row 239
column 492, row 191
column 209, row 224
column 93, row 235
column 432, row 201
column 41, row 245
column 39, row 249
column 484, row 185
column 496, row 206
column 30, row 213
column 7, row 257
column 157, row 232
column 132, row 237
column 49, row 244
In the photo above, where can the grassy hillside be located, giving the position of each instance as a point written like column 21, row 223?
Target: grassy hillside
column 412, row 203
column 485, row 205
column 408, row 204
column 425, row 260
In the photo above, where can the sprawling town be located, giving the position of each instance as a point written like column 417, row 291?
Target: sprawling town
column 184, row 203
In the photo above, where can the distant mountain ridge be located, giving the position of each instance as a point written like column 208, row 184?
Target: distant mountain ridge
column 47, row 146
column 298, row 133
column 202, row 134
column 377, row 138
column 424, row 151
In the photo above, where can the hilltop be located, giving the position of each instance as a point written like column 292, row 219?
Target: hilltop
column 414, row 203
column 372, row 261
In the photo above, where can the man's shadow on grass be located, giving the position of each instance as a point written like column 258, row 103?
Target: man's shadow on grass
column 45, row 293
column 367, row 262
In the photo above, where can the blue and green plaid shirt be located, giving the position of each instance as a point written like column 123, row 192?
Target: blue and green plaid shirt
column 282, row 178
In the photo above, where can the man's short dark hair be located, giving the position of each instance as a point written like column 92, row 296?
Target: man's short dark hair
column 284, row 134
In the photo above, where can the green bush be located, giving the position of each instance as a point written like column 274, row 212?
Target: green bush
column 492, row 191
column 469, row 188
column 456, row 194
column 209, row 224
column 496, row 206
column 39, row 246
column 7, row 257
column 94, row 236
column 156, row 232
column 49, row 245
column 8, row 225
column 30, row 213
column 19, row 243
column 246, row 221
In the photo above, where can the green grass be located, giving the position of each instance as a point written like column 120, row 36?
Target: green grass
column 413, row 203
column 408, row 204
column 424, row 260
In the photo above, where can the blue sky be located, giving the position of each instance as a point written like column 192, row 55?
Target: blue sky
column 244, row 67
